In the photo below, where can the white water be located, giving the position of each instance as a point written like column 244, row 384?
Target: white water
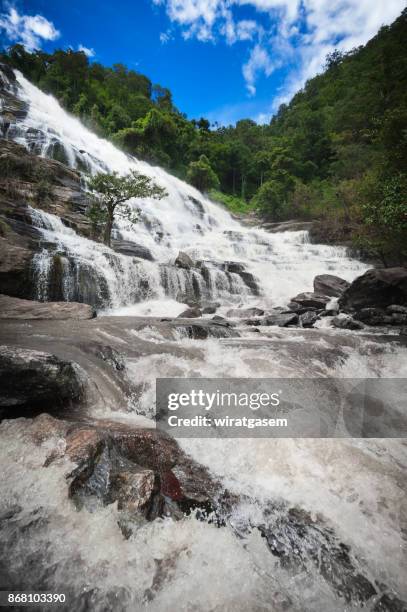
column 356, row 485
column 283, row 264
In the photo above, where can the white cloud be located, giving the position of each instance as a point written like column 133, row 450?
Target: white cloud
column 28, row 30
column 295, row 33
column 259, row 62
column 89, row 52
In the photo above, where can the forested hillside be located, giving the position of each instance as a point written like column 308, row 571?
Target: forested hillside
column 337, row 152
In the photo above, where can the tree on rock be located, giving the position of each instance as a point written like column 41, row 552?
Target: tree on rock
column 201, row 175
column 110, row 195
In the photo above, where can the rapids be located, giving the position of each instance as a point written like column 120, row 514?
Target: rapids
column 355, row 486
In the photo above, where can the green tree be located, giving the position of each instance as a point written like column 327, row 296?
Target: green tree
column 272, row 198
column 110, row 194
column 201, row 175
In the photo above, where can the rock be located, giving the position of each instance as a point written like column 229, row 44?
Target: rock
column 281, row 319
column 234, row 267
column 346, row 322
column 126, row 247
column 250, row 282
column 209, row 310
column 328, row 284
column 132, row 488
column 374, row 316
column 377, row 289
column 190, row 313
column 389, row 603
column 309, row 318
column 299, row 310
column 309, row 299
column 14, row 269
column 209, row 307
column 244, row 313
column 287, row 226
column 15, row 308
column 397, row 318
column 184, row 261
column 143, row 470
column 32, row 380
column 298, row 539
column 394, row 308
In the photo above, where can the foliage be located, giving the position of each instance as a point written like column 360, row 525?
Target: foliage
column 201, row 175
column 110, row 195
column 233, row 203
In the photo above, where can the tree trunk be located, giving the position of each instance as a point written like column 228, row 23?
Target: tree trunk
column 107, row 234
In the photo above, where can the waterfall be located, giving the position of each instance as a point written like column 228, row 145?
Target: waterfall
column 272, row 266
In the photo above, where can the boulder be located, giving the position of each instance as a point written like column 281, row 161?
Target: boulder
column 15, row 308
column 328, row 284
column 234, row 267
column 346, row 322
column 394, row 308
column 376, row 289
column 126, row 247
column 244, row 313
column 209, row 307
column 281, row 319
column 381, row 316
column 309, row 299
column 14, row 269
column 32, row 380
column 297, row 308
column 309, row 318
column 184, row 261
column 143, row 470
column 374, row 316
column 190, row 313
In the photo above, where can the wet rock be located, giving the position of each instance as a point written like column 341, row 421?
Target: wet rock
column 346, row 322
column 328, row 284
column 373, row 316
column 376, row 289
column 14, row 268
column 250, row 281
column 281, row 319
column 190, row 313
column 125, row 247
column 287, row 226
column 309, row 318
column 143, row 470
column 32, row 380
column 398, row 318
column 184, row 261
column 245, row 313
column 297, row 539
column 15, row 308
column 381, row 316
column 209, row 307
column 394, row 308
column 390, row 603
column 234, row 267
column 309, row 299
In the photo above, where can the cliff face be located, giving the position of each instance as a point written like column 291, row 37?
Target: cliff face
column 28, row 182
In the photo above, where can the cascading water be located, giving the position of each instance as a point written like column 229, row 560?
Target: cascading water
column 280, row 264
column 355, row 485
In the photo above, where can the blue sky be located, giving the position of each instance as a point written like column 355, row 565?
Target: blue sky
column 222, row 59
